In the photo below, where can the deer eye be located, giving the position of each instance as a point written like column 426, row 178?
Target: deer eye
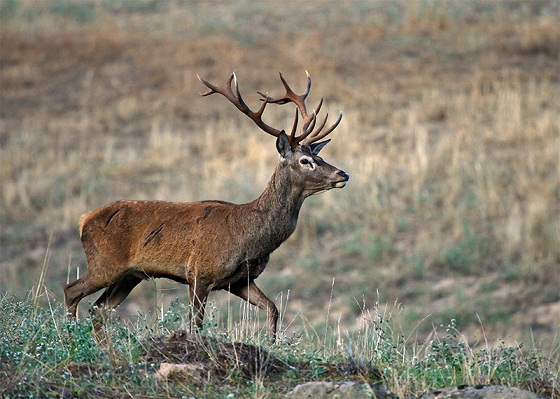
column 304, row 161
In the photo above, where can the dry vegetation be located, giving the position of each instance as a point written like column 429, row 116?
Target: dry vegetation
column 451, row 136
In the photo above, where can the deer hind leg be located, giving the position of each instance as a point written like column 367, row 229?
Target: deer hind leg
column 110, row 299
column 75, row 291
column 252, row 294
column 117, row 292
column 198, row 292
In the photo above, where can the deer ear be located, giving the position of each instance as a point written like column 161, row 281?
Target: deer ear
column 316, row 147
column 283, row 145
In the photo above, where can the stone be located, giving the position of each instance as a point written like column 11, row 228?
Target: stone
column 339, row 390
column 480, row 392
column 179, row 371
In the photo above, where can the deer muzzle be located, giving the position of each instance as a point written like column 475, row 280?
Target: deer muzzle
column 343, row 178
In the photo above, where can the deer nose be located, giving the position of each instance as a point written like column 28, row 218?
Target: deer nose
column 343, row 175
column 343, row 179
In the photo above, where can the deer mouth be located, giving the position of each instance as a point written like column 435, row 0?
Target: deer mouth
column 341, row 182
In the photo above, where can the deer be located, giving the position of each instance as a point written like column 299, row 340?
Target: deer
column 209, row 245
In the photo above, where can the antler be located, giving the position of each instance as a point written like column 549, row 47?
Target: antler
column 237, row 100
column 307, row 135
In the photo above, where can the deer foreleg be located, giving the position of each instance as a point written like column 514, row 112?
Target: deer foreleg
column 252, row 294
column 198, row 293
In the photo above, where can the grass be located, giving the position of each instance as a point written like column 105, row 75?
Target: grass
column 450, row 135
column 44, row 355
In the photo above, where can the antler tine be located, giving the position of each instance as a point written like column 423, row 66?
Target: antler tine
column 316, row 136
column 237, row 100
column 215, row 89
column 306, row 130
column 240, row 99
column 319, row 106
column 308, row 88
column 291, row 96
column 305, row 127
column 292, row 135
column 322, row 126
column 309, row 128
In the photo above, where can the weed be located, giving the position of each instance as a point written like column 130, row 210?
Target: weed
column 467, row 256
column 75, row 10
column 8, row 8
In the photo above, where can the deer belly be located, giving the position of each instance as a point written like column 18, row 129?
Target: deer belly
column 248, row 269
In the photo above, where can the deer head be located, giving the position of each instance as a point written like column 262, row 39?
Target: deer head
column 298, row 152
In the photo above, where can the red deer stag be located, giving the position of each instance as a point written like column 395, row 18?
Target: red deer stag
column 209, row 245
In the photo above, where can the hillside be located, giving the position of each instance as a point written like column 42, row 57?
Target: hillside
column 450, row 135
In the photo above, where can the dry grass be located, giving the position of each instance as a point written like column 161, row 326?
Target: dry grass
column 450, row 134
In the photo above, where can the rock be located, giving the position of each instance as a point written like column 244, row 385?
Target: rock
column 362, row 390
column 339, row 390
column 480, row 392
column 179, row 371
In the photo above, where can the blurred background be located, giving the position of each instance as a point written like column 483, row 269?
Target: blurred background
column 450, row 133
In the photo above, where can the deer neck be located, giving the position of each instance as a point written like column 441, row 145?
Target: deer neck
column 281, row 202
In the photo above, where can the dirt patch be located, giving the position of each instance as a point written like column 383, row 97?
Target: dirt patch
column 216, row 359
column 219, row 359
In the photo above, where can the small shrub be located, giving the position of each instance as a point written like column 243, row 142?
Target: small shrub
column 468, row 255
column 8, row 8
column 75, row 10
